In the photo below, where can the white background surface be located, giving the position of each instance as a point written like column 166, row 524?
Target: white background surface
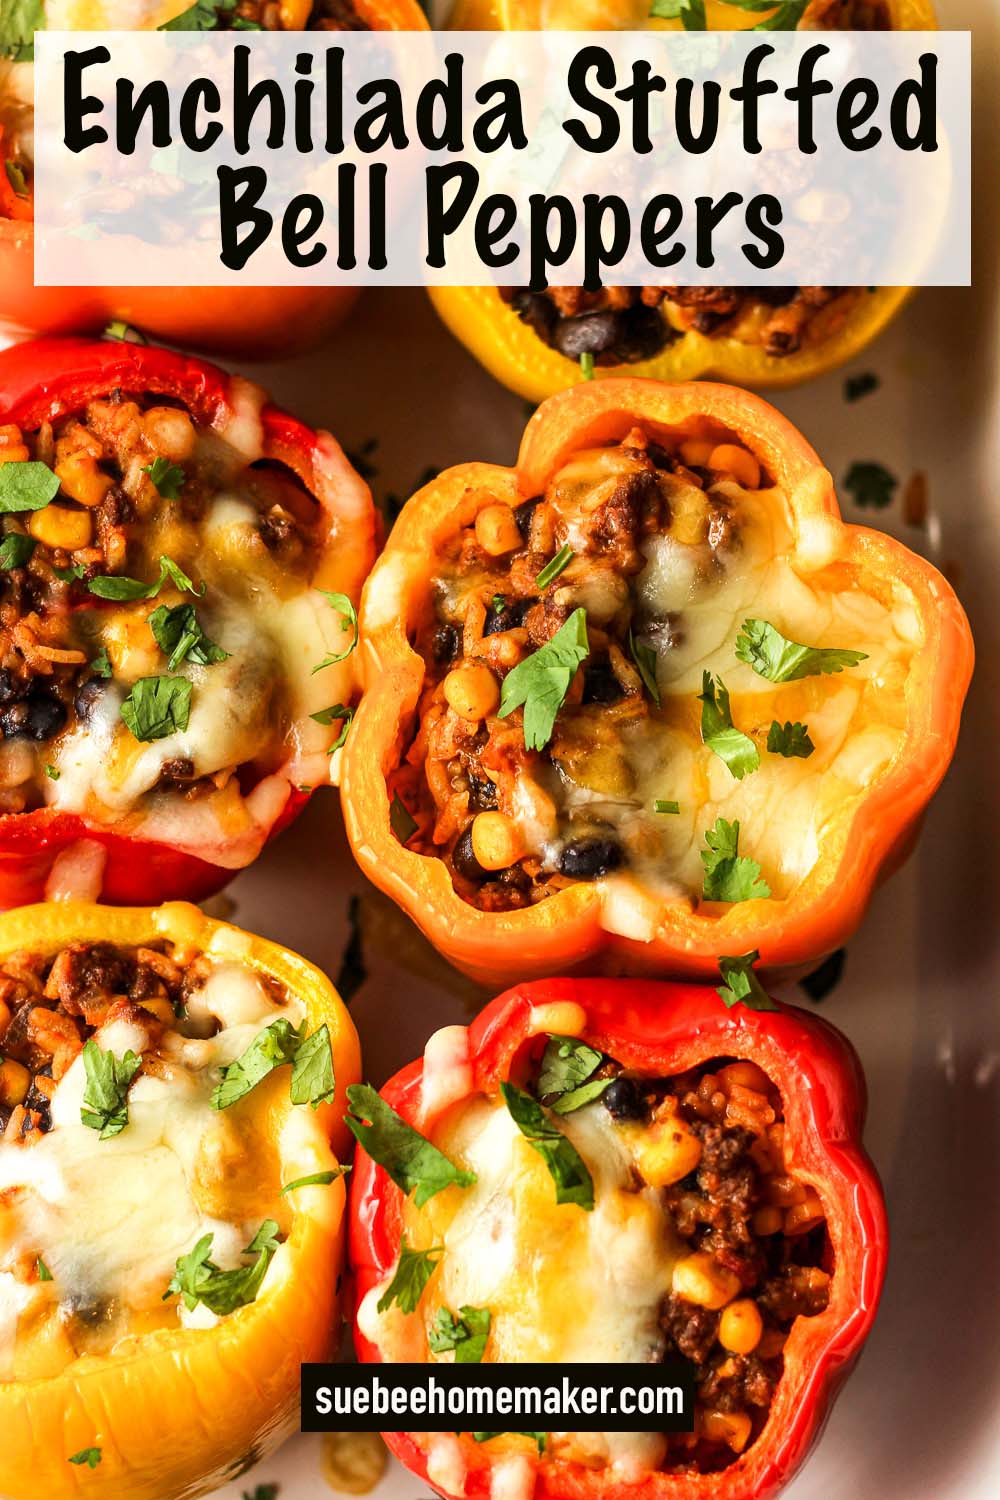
column 919, row 1418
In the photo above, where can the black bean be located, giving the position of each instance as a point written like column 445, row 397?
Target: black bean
column 590, row 857
column 624, row 1100
column 523, row 514
column 445, row 643
column 590, row 333
column 506, row 616
column 38, row 718
column 642, row 333
column 482, row 794
column 88, row 697
column 600, row 685
column 538, row 312
column 465, row 861
column 771, row 296
column 8, row 686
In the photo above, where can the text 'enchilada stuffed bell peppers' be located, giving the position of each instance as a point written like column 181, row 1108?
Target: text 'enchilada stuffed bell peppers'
column 253, row 322
column 172, row 1094
column 761, row 336
column 645, row 700
column 621, row 1172
column 179, row 565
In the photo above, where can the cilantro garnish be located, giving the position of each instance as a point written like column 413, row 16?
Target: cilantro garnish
column 311, row 1057
column 329, row 715
column 413, row 1271
column 413, row 1163
column 89, row 1456
column 105, row 1097
column 541, row 681
column 789, row 740
column 645, row 659
column 537, row 1437
column 315, row 1179
column 101, row 664
column 157, row 707
column 736, row 749
column 348, row 615
column 465, row 1335
column 401, row 820
column 16, row 548
column 167, row 478
column 871, row 484
column 26, row 485
column 567, row 1065
column 774, row 656
column 728, row 875
column 199, row 1279
column 179, row 635
column 113, row 586
column 555, row 566
column 566, row 1166
column 741, row 983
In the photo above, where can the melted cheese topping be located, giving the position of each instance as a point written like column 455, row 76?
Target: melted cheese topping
column 561, row 1284
column 110, row 1218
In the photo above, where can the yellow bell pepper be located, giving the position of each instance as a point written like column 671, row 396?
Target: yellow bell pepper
column 178, row 1411
column 520, row 360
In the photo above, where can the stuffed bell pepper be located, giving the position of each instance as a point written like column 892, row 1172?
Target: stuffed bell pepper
column 763, row 336
column 252, row 322
column 621, row 1172
column 179, row 563
column 645, row 699
column 171, row 1207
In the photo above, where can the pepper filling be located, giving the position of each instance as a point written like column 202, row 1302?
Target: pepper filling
column 139, row 1184
column 158, row 625
column 632, row 678
column 625, row 325
column 661, row 1222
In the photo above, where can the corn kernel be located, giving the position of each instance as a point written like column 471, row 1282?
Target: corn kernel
column 472, row 692
column 496, row 530
column 802, row 1217
column 15, row 1081
column 666, row 1152
column 768, row 1221
column 737, row 462
column 741, row 1326
column 696, row 452
column 4, row 1018
column 59, row 526
column 496, row 841
column 82, row 480
column 730, row 1427
column 170, row 432
column 744, row 1075
column 161, row 1009
column 698, row 1279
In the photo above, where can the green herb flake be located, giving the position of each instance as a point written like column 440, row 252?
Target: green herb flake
column 414, row 1270
column 202, row 16
column 555, row 566
column 52, row 773
column 774, row 656
column 857, row 386
column 101, row 664
column 408, row 1158
column 742, row 987
column 573, row 1182
column 734, row 748
column 123, row 333
column 16, row 549
column 645, row 659
column 536, row 1437
column 312, row 1071
column 157, row 707
column 167, row 478
column 271, row 1048
column 16, row 178
column 871, row 485
column 44, row 1274
column 541, row 681
column 27, row 485
column 349, row 618
column 315, row 1179
column 332, row 715
column 89, row 1456
column 790, row 740
column 728, row 875
column 114, row 586
column 179, row 634
column 105, row 1097
column 566, row 1063
column 198, row 1279
column 401, row 820
column 464, row 1335
column 663, row 806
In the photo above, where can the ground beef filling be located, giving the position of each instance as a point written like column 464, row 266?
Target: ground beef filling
column 757, row 1251
column 104, row 521
column 50, row 1006
column 467, row 773
column 624, row 325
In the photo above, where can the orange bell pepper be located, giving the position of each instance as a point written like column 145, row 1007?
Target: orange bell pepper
column 181, row 1410
column 866, row 827
column 520, row 360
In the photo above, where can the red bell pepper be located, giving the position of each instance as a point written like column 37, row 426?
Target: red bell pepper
column 50, row 378
column 661, row 1030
